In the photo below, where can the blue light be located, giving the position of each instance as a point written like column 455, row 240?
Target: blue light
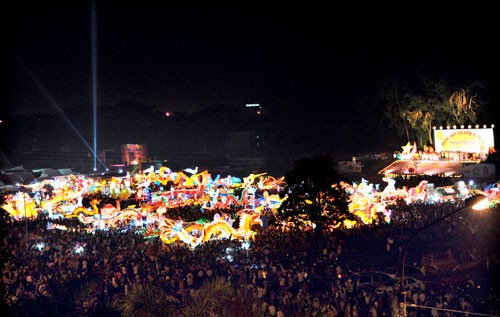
column 60, row 111
column 94, row 79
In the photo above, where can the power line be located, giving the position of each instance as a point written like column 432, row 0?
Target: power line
column 451, row 310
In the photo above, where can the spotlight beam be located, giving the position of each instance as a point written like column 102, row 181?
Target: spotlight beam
column 58, row 109
column 94, row 78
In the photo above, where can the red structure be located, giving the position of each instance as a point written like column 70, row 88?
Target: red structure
column 133, row 154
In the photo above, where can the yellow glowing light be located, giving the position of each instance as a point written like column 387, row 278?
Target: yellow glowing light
column 407, row 148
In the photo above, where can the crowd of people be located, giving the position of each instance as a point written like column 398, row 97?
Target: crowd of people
column 47, row 271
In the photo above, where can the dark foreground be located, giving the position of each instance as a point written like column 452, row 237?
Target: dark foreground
column 281, row 274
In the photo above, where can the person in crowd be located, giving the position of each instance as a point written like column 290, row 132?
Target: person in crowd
column 284, row 271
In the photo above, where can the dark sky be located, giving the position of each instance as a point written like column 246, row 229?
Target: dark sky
column 187, row 59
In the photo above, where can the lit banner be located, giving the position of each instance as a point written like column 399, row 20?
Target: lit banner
column 464, row 140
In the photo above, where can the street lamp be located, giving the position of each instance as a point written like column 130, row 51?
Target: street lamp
column 476, row 202
column 25, row 193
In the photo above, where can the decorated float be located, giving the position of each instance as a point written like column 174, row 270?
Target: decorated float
column 151, row 200
column 155, row 200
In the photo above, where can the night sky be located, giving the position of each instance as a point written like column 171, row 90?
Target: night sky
column 188, row 59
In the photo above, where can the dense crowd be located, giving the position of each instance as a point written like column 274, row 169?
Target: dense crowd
column 75, row 272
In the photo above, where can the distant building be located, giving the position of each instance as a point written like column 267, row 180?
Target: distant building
column 133, row 154
column 350, row 167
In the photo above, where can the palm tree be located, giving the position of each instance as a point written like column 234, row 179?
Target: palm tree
column 308, row 310
column 242, row 304
column 208, row 300
column 145, row 300
column 218, row 298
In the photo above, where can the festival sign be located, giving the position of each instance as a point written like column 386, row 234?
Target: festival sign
column 464, row 140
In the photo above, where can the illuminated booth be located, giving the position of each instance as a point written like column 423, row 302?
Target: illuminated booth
column 457, row 152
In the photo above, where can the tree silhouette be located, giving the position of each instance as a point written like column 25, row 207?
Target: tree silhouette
column 312, row 200
column 414, row 107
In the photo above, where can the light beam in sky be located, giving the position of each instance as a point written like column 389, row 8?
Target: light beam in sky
column 94, row 78
column 58, row 109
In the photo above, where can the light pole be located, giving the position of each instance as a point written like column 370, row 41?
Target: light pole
column 476, row 202
column 25, row 215
column 23, row 191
